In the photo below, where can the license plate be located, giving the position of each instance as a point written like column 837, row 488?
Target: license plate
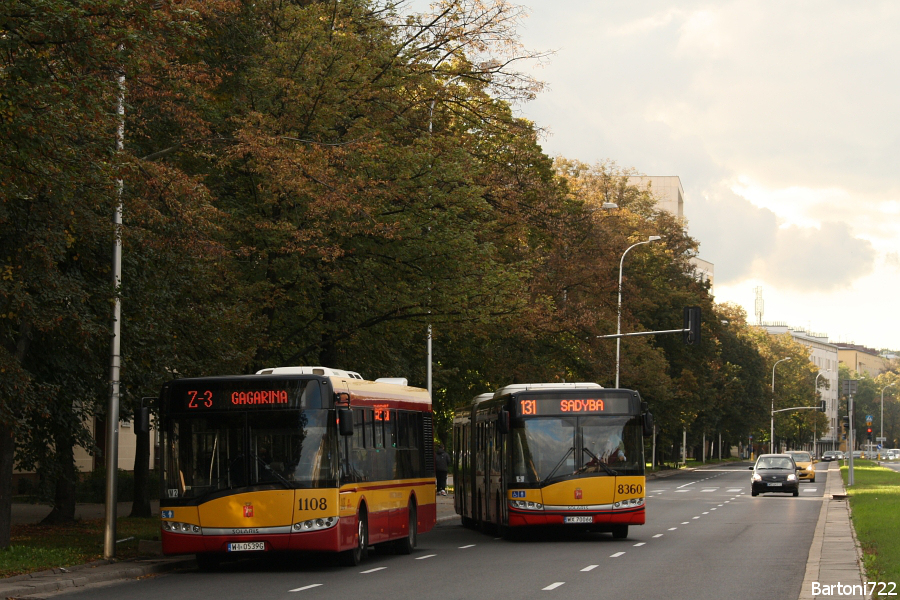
column 774, row 485
column 246, row 546
column 578, row 520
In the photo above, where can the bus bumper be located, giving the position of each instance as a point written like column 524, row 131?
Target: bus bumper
column 630, row 516
column 326, row 540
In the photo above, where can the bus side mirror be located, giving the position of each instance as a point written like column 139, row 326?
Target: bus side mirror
column 647, row 422
column 142, row 420
column 503, row 421
column 345, row 421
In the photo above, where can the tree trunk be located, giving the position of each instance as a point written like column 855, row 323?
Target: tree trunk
column 7, row 455
column 140, row 507
column 64, row 496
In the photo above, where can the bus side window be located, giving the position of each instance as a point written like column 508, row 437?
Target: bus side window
column 378, row 429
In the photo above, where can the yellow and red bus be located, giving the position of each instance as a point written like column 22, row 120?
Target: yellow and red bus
column 294, row 459
column 564, row 454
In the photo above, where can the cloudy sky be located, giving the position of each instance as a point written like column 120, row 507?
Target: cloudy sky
column 780, row 118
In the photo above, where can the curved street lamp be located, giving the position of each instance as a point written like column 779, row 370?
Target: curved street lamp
column 815, row 433
column 772, row 426
column 652, row 238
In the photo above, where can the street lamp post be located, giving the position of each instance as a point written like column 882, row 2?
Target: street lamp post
column 815, row 428
column 772, row 426
column 882, row 411
column 652, row 238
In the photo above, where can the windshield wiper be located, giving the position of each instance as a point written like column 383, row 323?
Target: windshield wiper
column 599, row 463
column 273, row 472
column 558, row 465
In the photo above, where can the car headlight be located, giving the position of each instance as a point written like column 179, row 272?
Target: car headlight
column 809, row 467
column 756, row 477
column 792, row 477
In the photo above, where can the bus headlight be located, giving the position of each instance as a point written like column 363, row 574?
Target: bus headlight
column 630, row 503
column 526, row 505
column 177, row 527
column 316, row 524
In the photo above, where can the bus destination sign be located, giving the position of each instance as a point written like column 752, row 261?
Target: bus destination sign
column 538, row 407
column 199, row 399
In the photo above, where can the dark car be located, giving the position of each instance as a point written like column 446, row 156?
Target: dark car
column 831, row 455
column 774, row 473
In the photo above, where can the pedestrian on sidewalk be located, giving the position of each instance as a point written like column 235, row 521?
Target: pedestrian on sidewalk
column 441, row 467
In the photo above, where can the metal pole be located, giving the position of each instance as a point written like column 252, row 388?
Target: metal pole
column 652, row 238
column 429, row 360
column 881, row 435
column 772, row 425
column 115, row 358
column 850, row 439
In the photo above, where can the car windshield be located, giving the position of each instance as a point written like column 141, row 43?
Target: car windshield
column 801, row 456
column 775, row 463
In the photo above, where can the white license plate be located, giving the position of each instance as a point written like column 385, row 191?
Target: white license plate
column 246, row 546
column 774, row 485
column 578, row 520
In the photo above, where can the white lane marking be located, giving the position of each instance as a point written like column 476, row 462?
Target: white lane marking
column 687, row 484
column 721, row 505
column 685, row 522
column 616, row 555
column 672, row 528
column 306, row 587
column 553, row 586
column 372, row 570
column 590, row 567
column 710, row 489
column 682, row 490
column 734, row 490
column 469, row 546
column 659, row 535
column 639, row 544
column 713, row 508
column 426, row 556
column 696, row 517
column 811, row 490
column 706, row 513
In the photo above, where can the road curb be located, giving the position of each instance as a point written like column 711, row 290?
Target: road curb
column 55, row 580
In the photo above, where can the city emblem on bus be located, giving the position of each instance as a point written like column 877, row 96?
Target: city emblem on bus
column 578, row 493
column 248, row 510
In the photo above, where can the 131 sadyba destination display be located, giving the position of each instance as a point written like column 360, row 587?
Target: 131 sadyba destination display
column 536, row 407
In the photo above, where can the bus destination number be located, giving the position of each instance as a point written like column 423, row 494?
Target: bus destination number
column 629, row 488
column 313, row 504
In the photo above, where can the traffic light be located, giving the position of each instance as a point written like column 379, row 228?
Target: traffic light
column 822, row 406
column 869, row 433
column 691, row 325
column 845, row 426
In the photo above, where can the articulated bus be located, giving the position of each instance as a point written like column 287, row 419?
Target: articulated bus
column 294, row 459
column 567, row 454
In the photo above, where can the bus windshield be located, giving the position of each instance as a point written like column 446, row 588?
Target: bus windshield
column 549, row 449
column 225, row 451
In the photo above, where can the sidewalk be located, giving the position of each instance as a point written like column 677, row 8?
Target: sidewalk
column 835, row 557
column 102, row 570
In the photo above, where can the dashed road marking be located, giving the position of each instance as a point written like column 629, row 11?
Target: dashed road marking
column 659, row 535
column 696, row 517
column 305, row 587
column 616, row 555
column 469, row 546
column 373, row 570
column 672, row 528
column 553, row 586
column 682, row 490
column 732, row 490
column 590, row 567
column 426, row 556
column 639, row 544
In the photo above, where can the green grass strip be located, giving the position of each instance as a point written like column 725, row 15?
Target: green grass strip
column 875, row 510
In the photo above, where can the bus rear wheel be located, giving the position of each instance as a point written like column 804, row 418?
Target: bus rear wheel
column 356, row 555
column 407, row 544
column 620, row 532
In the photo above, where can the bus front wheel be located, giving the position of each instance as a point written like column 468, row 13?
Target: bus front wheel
column 356, row 555
column 620, row 532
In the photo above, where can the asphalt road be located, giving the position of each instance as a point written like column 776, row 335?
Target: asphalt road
column 706, row 538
